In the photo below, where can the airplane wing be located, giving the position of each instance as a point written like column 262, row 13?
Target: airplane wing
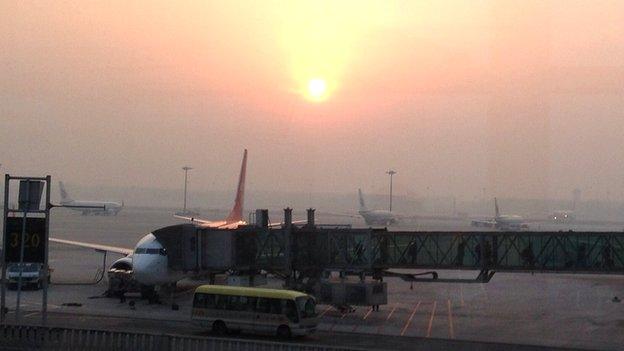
column 203, row 222
column 339, row 214
column 226, row 225
column 119, row 250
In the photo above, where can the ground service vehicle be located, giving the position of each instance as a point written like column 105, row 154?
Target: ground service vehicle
column 32, row 275
column 270, row 311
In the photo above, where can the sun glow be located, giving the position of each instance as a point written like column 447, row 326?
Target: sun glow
column 317, row 88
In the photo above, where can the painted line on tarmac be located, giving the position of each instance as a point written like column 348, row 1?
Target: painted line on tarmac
column 356, row 325
column 336, row 322
column 391, row 312
column 40, row 304
column 450, row 319
column 367, row 313
column 30, row 314
column 387, row 318
column 409, row 320
column 431, row 318
column 327, row 309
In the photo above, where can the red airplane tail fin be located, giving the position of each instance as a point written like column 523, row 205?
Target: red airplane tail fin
column 236, row 215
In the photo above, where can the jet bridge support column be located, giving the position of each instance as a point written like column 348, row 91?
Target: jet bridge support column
column 287, row 226
column 311, row 217
column 262, row 218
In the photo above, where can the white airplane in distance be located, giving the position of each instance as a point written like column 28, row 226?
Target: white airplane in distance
column 375, row 217
column 565, row 216
column 502, row 222
column 105, row 208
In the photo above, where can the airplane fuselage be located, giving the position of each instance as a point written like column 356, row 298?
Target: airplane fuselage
column 510, row 222
column 150, row 263
column 378, row 217
column 105, row 208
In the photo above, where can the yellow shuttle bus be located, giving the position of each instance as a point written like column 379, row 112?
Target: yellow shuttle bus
column 270, row 311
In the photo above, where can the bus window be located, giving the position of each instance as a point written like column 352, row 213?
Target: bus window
column 221, row 302
column 276, row 306
column 210, row 301
column 250, row 305
column 234, row 303
column 290, row 310
column 264, row 305
column 200, row 301
column 307, row 307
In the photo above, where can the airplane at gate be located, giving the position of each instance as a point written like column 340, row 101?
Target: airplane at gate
column 148, row 262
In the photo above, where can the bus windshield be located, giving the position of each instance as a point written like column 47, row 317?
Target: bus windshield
column 306, row 306
column 26, row 267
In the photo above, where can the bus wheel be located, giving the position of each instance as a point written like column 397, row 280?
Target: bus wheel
column 283, row 332
column 219, row 328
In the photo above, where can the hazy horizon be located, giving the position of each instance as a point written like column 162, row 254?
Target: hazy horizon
column 465, row 99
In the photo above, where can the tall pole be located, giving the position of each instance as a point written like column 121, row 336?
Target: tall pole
column 186, row 169
column 46, row 265
column 3, row 253
column 391, row 173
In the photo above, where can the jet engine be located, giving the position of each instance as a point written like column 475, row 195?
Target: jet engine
column 122, row 264
column 120, row 278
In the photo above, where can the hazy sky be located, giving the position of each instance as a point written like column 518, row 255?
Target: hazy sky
column 520, row 98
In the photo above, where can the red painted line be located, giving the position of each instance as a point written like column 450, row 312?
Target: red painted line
column 387, row 318
column 409, row 320
column 333, row 325
column 322, row 314
column 431, row 319
column 450, row 318
column 391, row 312
column 363, row 318
column 367, row 313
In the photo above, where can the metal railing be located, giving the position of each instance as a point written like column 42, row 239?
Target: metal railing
column 23, row 337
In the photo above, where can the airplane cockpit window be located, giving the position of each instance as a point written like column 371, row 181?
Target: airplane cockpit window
column 142, row 250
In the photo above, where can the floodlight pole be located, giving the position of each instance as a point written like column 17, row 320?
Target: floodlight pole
column 46, row 263
column 391, row 173
column 186, row 169
column 4, row 270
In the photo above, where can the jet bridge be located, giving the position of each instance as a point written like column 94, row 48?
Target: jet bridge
column 306, row 256
column 372, row 250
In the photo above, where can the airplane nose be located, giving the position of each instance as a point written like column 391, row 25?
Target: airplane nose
column 144, row 267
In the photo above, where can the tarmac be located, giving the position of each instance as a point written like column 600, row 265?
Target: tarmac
column 550, row 310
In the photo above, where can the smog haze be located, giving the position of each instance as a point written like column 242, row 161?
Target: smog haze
column 470, row 99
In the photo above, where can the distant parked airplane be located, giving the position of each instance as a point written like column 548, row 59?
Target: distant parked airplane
column 502, row 222
column 105, row 208
column 375, row 217
column 565, row 216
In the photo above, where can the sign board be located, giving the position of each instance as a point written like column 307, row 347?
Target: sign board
column 30, row 194
column 34, row 240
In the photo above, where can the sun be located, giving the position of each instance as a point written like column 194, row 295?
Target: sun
column 317, row 88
